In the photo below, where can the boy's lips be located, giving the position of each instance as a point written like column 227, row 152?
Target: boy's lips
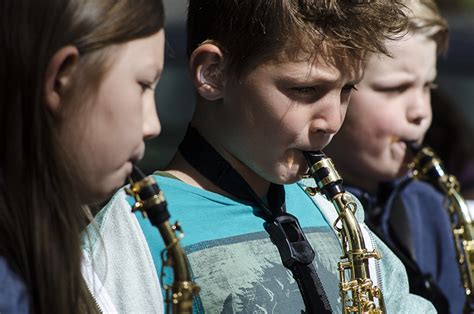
column 396, row 139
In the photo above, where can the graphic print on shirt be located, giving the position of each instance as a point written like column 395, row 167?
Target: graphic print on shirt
column 244, row 274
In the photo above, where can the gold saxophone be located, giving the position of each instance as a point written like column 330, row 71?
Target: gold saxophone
column 150, row 201
column 427, row 166
column 359, row 294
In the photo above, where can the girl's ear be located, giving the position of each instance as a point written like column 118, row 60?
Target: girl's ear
column 58, row 77
column 207, row 63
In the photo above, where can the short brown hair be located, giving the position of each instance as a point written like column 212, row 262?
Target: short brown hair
column 424, row 18
column 250, row 31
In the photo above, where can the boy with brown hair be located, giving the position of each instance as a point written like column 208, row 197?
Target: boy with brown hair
column 392, row 107
column 273, row 79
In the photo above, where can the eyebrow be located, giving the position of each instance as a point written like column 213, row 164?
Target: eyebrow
column 321, row 80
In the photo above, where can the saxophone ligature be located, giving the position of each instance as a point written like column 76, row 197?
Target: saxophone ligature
column 427, row 166
column 150, row 201
column 358, row 294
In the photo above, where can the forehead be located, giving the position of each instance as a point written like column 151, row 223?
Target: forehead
column 413, row 54
column 144, row 53
column 309, row 67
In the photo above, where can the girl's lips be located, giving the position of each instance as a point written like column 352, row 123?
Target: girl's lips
column 136, row 158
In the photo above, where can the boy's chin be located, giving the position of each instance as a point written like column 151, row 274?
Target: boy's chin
column 393, row 174
column 290, row 178
column 402, row 171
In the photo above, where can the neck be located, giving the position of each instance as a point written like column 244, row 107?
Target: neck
column 357, row 180
column 184, row 171
column 256, row 182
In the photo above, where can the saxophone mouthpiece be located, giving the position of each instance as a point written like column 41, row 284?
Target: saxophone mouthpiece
column 137, row 174
column 414, row 147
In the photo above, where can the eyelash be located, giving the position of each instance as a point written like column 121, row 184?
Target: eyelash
column 394, row 89
column 145, row 86
column 350, row 87
column 311, row 89
column 303, row 90
column 432, row 86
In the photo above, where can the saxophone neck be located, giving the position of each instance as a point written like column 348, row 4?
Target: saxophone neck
column 149, row 199
column 323, row 171
column 426, row 165
column 358, row 295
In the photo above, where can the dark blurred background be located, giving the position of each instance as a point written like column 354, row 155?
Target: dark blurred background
column 455, row 79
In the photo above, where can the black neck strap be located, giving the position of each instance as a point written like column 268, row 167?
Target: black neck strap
column 208, row 162
column 284, row 229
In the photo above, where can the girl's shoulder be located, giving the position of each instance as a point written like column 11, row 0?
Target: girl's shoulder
column 13, row 296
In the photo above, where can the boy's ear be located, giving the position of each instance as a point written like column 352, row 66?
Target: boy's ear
column 206, row 63
column 58, row 77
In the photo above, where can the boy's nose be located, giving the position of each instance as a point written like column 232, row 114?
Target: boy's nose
column 151, row 122
column 419, row 108
column 328, row 119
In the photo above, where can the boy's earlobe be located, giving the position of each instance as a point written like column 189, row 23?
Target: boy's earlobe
column 206, row 64
column 58, row 76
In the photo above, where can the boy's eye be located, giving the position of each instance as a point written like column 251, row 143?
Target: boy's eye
column 349, row 88
column 393, row 89
column 431, row 85
column 306, row 94
column 305, row 90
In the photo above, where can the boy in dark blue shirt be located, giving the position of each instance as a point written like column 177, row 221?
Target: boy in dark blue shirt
column 390, row 108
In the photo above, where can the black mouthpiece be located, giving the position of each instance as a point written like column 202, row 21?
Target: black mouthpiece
column 327, row 178
column 313, row 157
column 154, row 203
column 137, row 174
column 414, row 147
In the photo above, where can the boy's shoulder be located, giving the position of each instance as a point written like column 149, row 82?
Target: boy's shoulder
column 422, row 198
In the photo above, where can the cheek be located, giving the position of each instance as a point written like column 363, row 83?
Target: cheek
column 121, row 114
column 374, row 116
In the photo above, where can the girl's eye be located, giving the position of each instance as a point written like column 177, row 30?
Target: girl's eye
column 145, row 86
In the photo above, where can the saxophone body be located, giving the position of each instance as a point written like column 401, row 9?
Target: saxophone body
column 150, row 201
column 427, row 166
column 358, row 294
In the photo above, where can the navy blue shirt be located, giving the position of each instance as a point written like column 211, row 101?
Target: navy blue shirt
column 419, row 229
column 13, row 296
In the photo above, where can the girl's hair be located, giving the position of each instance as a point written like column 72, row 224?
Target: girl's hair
column 41, row 219
column 424, row 18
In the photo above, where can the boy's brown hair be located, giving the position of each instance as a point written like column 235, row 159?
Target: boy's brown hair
column 253, row 31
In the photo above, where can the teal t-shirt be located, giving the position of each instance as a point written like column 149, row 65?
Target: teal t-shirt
column 239, row 270
column 231, row 256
